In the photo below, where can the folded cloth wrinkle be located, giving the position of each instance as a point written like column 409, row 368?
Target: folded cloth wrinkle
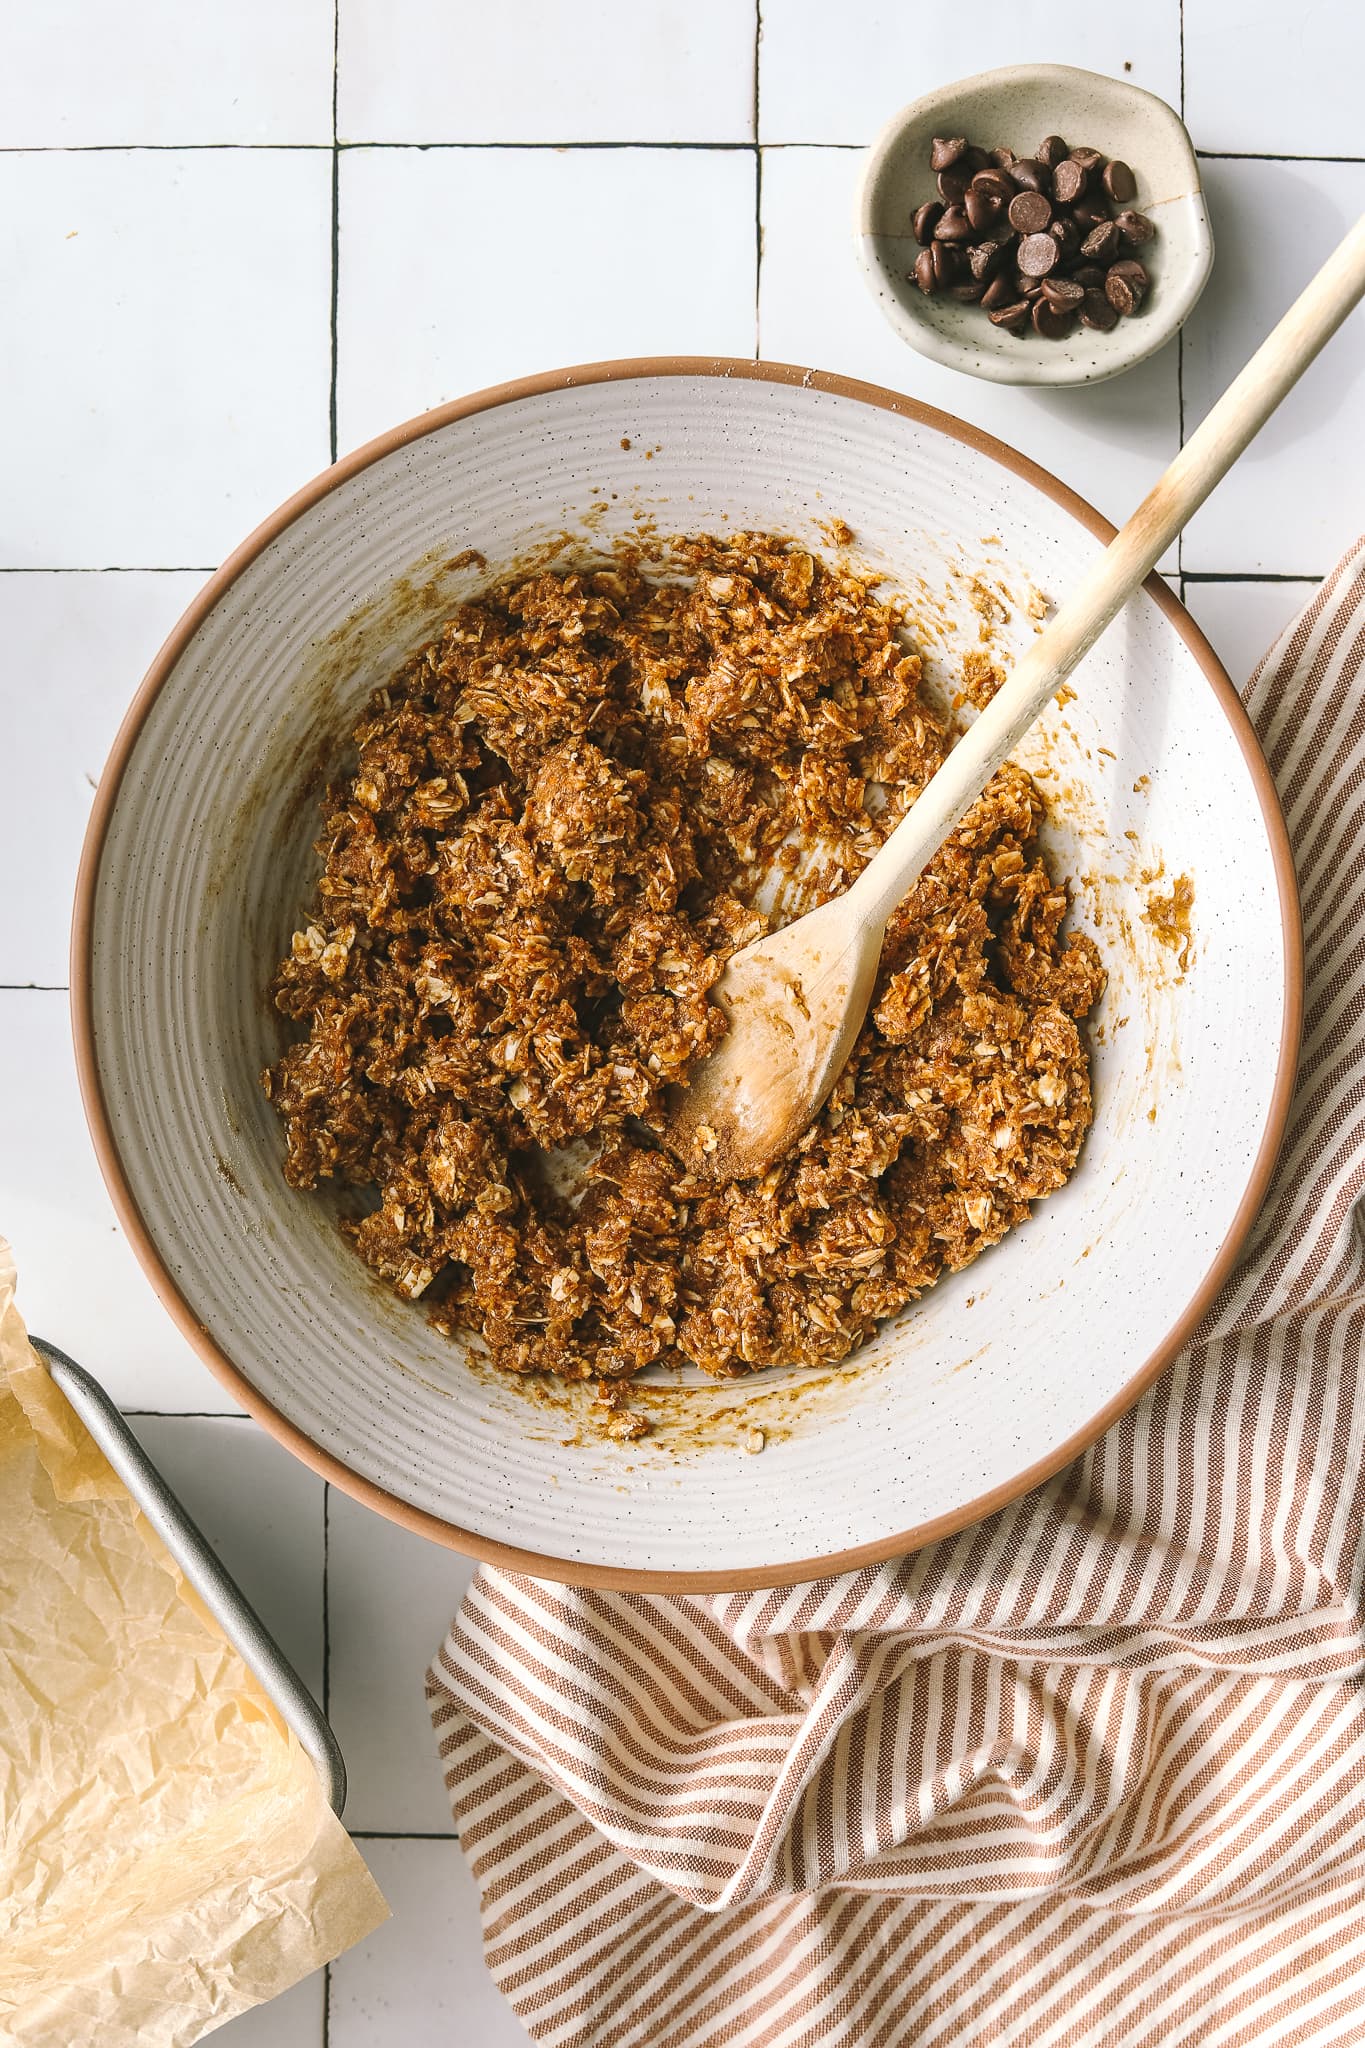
column 1087, row 1773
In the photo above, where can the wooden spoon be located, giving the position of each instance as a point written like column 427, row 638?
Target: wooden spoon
column 797, row 999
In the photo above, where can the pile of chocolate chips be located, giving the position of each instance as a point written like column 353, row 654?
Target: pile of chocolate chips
column 1032, row 238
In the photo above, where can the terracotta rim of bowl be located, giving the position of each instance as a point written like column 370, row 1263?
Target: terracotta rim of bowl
column 331, row 1468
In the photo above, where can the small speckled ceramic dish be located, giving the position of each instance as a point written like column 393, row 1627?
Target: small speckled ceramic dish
column 1015, row 108
column 199, row 864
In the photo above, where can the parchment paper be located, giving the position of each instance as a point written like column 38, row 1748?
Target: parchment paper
column 167, row 1855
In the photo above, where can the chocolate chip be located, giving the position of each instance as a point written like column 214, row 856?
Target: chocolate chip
column 1119, row 182
column 1037, row 255
column 983, row 208
column 927, row 218
column 1121, row 295
column 995, row 182
column 1031, row 239
column 1068, row 181
column 1054, row 323
column 1029, row 175
column 1090, row 209
column 954, row 226
column 1101, row 245
column 1135, row 228
column 984, row 258
column 1030, row 212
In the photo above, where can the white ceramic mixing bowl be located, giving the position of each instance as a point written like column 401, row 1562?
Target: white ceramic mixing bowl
column 198, row 867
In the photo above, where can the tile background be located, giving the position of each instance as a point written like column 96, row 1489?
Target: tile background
column 236, row 240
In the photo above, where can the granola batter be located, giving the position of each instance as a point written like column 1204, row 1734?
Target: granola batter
column 555, row 834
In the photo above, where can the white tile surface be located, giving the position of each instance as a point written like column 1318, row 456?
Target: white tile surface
column 79, row 1284
column 261, row 1510
column 165, row 315
column 163, row 71
column 419, row 1980
column 380, row 1649
column 1243, row 620
column 81, row 645
column 547, row 257
column 1108, row 441
column 539, row 71
column 1244, row 91
column 835, row 74
column 1294, row 503
column 296, row 2019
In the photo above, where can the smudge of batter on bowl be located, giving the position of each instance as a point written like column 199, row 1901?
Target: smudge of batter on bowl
column 1169, row 919
column 981, row 678
column 688, row 1416
column 988, row 601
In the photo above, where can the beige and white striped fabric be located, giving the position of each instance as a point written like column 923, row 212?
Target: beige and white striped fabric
column 1088, row 1773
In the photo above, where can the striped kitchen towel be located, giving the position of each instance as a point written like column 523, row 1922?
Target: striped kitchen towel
column 1087, row 1774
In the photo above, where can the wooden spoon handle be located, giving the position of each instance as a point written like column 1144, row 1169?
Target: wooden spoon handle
column 1106, row 586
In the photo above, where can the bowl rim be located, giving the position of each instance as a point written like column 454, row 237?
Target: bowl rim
column 1061, row 371
column 329, row 1466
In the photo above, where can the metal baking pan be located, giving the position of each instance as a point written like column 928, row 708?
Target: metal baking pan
column 220, row 1593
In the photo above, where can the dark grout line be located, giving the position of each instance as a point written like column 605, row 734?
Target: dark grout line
column 336, row 231
column 109, row 569
column 758, row 186
column 1180, row 416
column 326, row 1666
column 758, row 62
column 1180, row 338
column 1252, row 156
column 188, row 1414
column 398, row 1835
column 147, row 148
column 326, row 1597
column 179, row 148
column 697, row 148
column 1251, row 576
column 1270, row 156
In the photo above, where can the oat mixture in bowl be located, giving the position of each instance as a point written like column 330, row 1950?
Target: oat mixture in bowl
column 560, row 818
column 200, row 865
